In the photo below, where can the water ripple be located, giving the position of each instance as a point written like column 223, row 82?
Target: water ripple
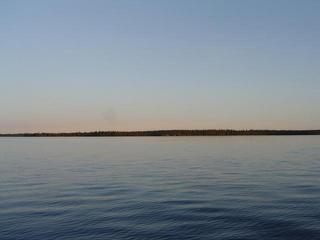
column 127, row 189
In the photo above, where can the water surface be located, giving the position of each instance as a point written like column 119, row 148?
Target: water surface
column 247, row 187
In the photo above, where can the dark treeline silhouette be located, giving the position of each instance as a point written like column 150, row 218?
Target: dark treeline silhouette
column 205, row 132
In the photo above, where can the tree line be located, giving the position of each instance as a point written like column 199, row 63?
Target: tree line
column 205, row 132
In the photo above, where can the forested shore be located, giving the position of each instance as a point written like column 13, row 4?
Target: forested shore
column 208, row 132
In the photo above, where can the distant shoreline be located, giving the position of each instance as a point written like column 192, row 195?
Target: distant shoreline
column 155, row 133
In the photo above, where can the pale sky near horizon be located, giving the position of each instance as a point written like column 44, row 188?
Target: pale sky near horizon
column 80, row 65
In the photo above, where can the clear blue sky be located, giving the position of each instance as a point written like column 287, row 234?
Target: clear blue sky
column 126, row 65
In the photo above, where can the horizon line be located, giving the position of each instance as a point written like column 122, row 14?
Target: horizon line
column 171, row 132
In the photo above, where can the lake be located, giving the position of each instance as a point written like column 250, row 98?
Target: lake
column 139, row 188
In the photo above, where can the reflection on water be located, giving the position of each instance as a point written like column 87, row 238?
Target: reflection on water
column 160, row 188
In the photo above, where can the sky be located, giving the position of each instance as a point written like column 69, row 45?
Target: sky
column 84, row 65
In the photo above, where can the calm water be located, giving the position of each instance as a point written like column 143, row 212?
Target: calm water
column 160, row 188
